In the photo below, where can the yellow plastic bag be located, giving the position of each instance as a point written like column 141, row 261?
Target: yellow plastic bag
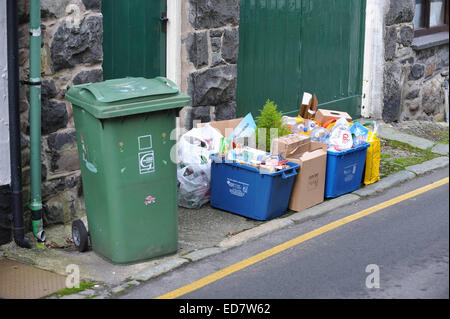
column 372, row 174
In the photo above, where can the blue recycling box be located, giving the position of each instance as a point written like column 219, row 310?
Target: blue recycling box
column 243, row 190
column 345, row 170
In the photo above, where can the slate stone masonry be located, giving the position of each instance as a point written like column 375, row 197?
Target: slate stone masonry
column 5, row 215
column 412, row 77
column 210, row 45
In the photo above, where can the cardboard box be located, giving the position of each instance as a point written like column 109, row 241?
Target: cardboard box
column 309, row 186
column 290, row 146
column 309, row 106
column 322, row 116
column 224, row 127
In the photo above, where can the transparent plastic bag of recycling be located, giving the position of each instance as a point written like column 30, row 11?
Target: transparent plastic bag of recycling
column 193, row 185
column 194, row 165
column 340, row 138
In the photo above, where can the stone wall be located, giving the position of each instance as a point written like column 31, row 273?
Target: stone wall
column 72, row 53
column 412, row 77
column 210, row 46
column 5, row 215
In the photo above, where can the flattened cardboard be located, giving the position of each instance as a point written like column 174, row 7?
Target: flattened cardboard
column 322, row 116
column 309, row 186
column 290, row 146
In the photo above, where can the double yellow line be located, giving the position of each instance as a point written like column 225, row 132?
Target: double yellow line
column 296, row 241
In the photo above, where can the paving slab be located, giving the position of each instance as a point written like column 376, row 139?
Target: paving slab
column 209, row 225
column 420, row 169
column 152, row 272
column 203, row 253
column 439, row 148
column 324, row 208
column 21, row 281
column 390, row 133
column 385, row 183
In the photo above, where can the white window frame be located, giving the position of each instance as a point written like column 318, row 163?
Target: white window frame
column 173, row 45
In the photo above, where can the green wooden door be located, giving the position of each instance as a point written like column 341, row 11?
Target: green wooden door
column 288, row 47
column 134, row 42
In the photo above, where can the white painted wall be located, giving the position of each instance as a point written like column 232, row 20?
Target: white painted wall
column 5, row 176
column 173, row 63
column 374, row 59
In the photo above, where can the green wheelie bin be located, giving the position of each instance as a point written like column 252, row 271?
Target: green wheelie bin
column 124, row 129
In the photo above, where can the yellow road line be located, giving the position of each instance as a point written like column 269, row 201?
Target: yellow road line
column 296, row 241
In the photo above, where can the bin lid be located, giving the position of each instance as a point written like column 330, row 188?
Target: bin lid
column 127, row 96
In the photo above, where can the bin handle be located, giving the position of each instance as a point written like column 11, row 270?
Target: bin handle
column 95, row 92
column 292, row 173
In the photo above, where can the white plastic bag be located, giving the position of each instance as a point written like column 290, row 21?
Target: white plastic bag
column 196, row 145
column 340, row 136
column 194, row 165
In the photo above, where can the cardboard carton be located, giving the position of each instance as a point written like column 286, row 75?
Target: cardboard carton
column 309, row 186
column 290, row 146
column 309, row 106
column 224, row 127
column 322, row 116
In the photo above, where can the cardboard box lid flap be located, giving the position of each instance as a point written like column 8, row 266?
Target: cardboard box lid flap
column 312, row 155
column 294, row 147
column 224, row 127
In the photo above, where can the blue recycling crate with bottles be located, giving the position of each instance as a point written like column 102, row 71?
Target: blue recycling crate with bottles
column 244, row 190
column 345, row 170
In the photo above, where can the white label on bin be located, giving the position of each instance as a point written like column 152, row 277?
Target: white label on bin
column 145, row 142
column 237, row 188
column 146, row 162
column 349, row 172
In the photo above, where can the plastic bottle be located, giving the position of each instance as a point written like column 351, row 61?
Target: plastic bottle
column 310, row 124
column 290, row 122
column 296, row 127
column 319, row 134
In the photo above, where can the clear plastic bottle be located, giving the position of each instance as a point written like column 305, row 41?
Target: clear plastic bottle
column 294, row 124
column 310, row 125
column 298, row 128
column 319, row 134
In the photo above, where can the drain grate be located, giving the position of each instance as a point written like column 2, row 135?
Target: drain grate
column 19, row 281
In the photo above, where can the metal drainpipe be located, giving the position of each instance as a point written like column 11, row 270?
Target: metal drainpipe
column 14, row 126
column 35, row 120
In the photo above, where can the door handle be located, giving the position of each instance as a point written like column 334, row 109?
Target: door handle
column 164, row 19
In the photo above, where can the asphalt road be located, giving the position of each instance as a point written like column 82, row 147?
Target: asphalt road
column 406, row 244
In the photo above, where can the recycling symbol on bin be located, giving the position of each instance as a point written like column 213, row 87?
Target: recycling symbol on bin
column 146, row 162
column 147, row 155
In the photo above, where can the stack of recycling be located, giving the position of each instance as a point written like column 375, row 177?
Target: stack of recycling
column 326, row 154
column 230, row 174
column 353, row 149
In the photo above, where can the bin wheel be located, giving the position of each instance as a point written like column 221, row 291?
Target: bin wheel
column 80, row 235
